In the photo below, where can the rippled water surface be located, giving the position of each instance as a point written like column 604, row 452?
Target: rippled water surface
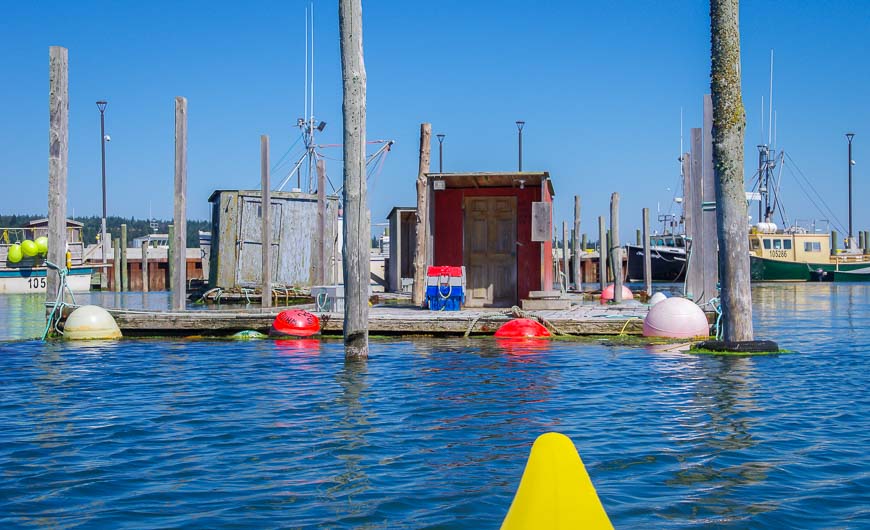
column 435, row 433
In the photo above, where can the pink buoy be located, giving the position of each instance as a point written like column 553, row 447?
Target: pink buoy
column 676, row 318
column 522, row 328
column 607, row 293
column 295, row 323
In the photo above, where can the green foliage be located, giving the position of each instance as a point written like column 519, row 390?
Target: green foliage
column 135, row 227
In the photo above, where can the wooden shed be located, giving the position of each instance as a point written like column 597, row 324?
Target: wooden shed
column 499, row 226
column 305, row 239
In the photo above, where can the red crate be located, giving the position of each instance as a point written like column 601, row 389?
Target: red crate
column 445, row 270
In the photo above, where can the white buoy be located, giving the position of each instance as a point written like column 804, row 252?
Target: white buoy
column 676, row 318
column 656, row 298
column 91, row 322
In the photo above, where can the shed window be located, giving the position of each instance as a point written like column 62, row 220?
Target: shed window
column 767, row 244
column 786, row 244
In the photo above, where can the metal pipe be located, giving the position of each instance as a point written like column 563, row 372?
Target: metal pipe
column 849, row 136
column 103, row 236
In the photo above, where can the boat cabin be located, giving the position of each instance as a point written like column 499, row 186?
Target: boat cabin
column 33, row 230
column 800, row 248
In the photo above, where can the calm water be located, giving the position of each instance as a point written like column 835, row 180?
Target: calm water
column 148, row 434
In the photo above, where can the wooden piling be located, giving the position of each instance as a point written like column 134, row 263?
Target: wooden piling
column 728, row 129
column 576, row 250
column 422, row 217
column 58, row 159
column 357, row 242
column 608, row 257
column 695, row 270
column 602, row 254
column 179, row 278
column 834, row 242
column 266, row 227
column 170, row 253
column 583, row 243
column 565, row 253
column 647, row 257
column 709, row 215
column 116, row 265
column 145, row 285
column 637, row 239
column 866, row 242
column 321, row 224
column 125, row 273
column 616, row 251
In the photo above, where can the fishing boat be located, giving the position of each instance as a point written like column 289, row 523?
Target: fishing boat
column 22, row 258
column 667, row 253
column 799, row 255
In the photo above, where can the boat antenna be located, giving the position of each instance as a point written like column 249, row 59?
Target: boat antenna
column 770, row 101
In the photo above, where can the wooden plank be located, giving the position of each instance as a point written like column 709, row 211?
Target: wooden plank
column 266, row 226
column 420, row 259
column 357, row 240
column 544, row 303
column 541, row 216
column 179, row 270
column 58, row 159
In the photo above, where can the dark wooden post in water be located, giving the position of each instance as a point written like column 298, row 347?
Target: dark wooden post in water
column 179, row 270
column 647, row 258
column 145, row 286
column 125, row 273
column 637, row 237
column 616, row 251
column 565, row 255
column 266, row 230
column 575, row 250
column 357, row 236
column 58, row 158
column 834, row 243
column 116, row 265
column 729, row 123
column 422, row 217
column 608, row 257
column 602, row 254
column 321, row 223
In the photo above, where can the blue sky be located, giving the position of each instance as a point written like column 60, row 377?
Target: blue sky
column 599, row 84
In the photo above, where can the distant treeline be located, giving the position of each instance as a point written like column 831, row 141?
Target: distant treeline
column 135, row 227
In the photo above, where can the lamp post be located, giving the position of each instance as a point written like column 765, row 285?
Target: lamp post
column 520, row 125
column 440, row 153
column 103, row 236
column 849, row 137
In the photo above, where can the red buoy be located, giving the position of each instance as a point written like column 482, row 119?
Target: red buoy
column 295, row 323
column 522, row 328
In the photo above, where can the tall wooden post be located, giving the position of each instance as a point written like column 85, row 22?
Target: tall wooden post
column 357, row 235
column 125, row 272
column 419, row 293
column 58, row 158
column 695, row 267
column 266, row 228
column 116, row 266
column 575, row 251
column 617, row 251
column 647, row 257
column 709, row 216
column 729, row 123
column 609, row 257
column 602, row 253
column 170, row 256
column 321, row 223
column 179, row 278
column 145, row 281
column 637, row 237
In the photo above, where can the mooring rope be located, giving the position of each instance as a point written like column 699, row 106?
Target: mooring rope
column 514, row 312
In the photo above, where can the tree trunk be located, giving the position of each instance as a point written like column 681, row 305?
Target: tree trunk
column 729, row 123
column 357, row 236
column 420, row 260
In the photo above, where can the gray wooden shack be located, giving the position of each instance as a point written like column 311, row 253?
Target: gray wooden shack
column 306, row 246
column 403, row 239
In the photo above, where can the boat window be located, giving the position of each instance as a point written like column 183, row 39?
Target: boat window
column 777, row 244
column 754, row 243
column 767, row 244
column 812, row 246
column 786, row 244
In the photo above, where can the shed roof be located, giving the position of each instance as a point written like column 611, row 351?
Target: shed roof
column 44, row 222
column 274, row 195
column 401, row 209
column 494, row 179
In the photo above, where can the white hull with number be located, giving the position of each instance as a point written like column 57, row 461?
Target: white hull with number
column 24, row 281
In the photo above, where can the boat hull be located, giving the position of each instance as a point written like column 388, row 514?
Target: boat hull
column 667, row 264
column 767, row 270
column 29, row 280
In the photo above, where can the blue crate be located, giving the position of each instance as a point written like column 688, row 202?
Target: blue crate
column 445, row 298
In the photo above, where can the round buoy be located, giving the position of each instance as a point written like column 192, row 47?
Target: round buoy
column 676, row 318
column 28, row 248
column 14, row 254
column 656, row 298
column 42, row 245
column 295, row 323
column 523, row 346
column 90, row 322
column 522, row 328
column 607, row 293
column 248, row 334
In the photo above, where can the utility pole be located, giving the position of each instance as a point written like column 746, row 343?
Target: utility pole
column 104, row 244
column 729, row 121
column 520, row 125
column 849, row 136
column 440, row 152
column 357, row 242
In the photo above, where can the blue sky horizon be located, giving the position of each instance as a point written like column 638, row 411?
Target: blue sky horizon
column 599, row 85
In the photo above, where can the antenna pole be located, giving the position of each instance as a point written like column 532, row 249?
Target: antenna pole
column 770, row 101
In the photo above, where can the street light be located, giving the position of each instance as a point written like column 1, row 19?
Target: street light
column 103, row 236
column 520, row 125
column 440, row 152
column 849, row 137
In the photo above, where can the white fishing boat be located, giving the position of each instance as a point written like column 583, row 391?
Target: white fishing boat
column 23, row 253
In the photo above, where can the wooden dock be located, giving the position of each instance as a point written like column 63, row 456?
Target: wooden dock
column 586, row 319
